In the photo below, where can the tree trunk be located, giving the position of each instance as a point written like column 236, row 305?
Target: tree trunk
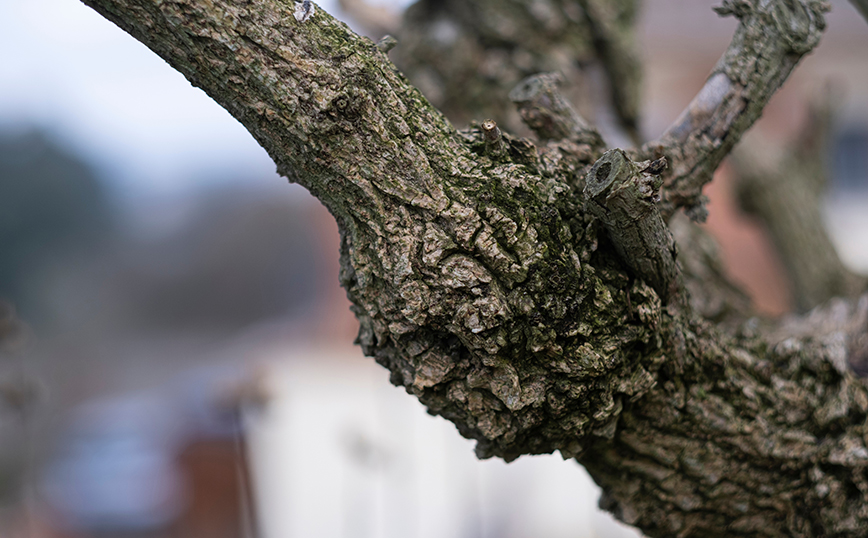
column 533, row 297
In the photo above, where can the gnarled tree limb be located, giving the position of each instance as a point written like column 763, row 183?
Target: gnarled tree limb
column 489, row 293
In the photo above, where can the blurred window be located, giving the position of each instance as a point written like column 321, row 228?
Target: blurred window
column 850, row 158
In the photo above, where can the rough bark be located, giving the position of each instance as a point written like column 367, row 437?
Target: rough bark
column 748, row 437
column 489, row 291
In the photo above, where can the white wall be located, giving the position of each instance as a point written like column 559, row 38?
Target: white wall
column 340, row 452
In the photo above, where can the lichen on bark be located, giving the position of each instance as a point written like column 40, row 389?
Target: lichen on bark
column 501, row 317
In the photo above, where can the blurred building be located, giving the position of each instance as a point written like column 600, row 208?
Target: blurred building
column 340, row 453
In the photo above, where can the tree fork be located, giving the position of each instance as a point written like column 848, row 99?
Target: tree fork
column 483, row 286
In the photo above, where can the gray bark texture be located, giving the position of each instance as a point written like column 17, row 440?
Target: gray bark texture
column 530, row 292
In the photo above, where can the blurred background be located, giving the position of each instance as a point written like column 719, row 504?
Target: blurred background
column 177, row 355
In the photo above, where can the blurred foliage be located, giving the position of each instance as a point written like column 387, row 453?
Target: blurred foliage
column 238, row 258
column 49, row 199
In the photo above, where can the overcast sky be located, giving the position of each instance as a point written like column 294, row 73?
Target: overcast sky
column 69, row 70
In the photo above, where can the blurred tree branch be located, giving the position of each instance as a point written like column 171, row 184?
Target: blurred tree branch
column 861, row 6
column 786, row 192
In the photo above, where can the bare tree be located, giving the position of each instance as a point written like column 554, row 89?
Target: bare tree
column 531, row 291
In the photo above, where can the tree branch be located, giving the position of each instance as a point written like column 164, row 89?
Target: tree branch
column 461, row 268
column 770, row 40
column 549, row 114
column 327, row 105
column 622, row 195
column 612, row 26
column 481, row 283
column 861, row 6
